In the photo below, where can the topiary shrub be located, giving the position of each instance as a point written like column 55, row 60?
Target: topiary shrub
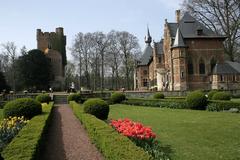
column 117, row 97
column 97, row 107
column 43, row 98
column 221, row 96
column 196, row 100
column 211, row 93
column 26, row 107
column 158, row 96
column 74, row 97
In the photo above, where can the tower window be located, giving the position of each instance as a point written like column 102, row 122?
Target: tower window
column 182, row 74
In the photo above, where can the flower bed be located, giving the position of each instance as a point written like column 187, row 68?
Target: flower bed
column 141, row 135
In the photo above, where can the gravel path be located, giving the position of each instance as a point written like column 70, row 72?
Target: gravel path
column 67, row 139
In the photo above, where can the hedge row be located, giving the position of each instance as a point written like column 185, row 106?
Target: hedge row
column 182, row 104
column 222, row 105
column 27, row 144
column 108, row 141
column 167, row 103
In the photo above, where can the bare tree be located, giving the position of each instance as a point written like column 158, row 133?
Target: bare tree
column 113, row 58
column 129, row 48
column 9, row 51
column 223, row 17
column 101, row 43
column 81, row 51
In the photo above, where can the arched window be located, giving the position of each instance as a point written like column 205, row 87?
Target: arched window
column 213, row 63
column 201, row 66
column 190, row 66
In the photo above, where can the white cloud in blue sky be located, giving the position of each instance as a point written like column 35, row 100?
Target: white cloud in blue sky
column 20, row 19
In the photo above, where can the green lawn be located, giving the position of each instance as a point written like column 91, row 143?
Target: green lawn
column 192, row 135
column 235, row 99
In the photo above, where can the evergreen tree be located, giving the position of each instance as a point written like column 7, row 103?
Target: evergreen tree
column 34, row 70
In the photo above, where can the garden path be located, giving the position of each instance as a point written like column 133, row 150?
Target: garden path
column 67, row 139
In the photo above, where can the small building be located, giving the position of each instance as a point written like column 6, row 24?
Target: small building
column 189, row 57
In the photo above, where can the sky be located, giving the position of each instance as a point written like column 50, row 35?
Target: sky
column 20, row 19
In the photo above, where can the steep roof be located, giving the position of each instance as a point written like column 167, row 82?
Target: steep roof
column 189, row 26
column 225, row 68
column 147, row 55
column 178, row 42
column 234, row 65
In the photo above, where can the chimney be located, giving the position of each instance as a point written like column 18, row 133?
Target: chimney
column 178, row 12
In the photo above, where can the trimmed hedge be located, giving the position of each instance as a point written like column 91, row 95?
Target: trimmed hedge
column 221, row 96
column 167, row 103
column 158, row 96
column 196, row 100
column 26, row 145
column 43, row 98
column 117, row 97
column 112, row 144
column 74, row 97
column 211, row 93
column 222, row 105
column 26, row 107
column 96, row 107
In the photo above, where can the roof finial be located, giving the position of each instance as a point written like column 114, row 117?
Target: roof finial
column 148, row 38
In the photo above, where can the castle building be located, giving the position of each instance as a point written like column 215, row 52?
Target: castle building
column 53, row 45
column 189, row 57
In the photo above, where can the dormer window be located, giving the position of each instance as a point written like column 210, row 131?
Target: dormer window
column 199, row 31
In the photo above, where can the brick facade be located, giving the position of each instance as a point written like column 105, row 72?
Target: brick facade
column 187, row 58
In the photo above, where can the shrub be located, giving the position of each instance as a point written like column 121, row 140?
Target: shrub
column 43, row 98
column 117, row 97
column 222, row 105
column 74, row 97
column 211, row 93
column 168, row 103
column 221, row 96
column 26, row 107
column 97, row 107
column 158, row 96
column 196, row 100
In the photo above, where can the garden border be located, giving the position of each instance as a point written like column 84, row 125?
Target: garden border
column 111, row 144
column 27, row 144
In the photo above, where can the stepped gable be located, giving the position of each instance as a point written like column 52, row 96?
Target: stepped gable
column 159, row 47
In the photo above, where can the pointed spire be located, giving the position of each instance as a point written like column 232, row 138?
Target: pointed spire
column 148, row 38
column 178, row 42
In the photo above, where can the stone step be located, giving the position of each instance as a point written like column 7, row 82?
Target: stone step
column 60, row 99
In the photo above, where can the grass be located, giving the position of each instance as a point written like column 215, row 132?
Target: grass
column 235, row 99
column 197, row 135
